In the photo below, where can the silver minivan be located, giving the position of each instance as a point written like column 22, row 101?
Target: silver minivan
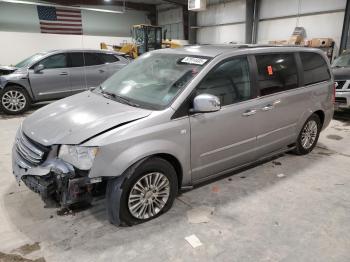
column 54, row 75
column 172, row 119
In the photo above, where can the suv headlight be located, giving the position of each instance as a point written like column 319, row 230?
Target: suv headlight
column 81, row 157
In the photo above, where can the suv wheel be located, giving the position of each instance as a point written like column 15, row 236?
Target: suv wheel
column 14, row 100
column 308, row 135
column 147, row 191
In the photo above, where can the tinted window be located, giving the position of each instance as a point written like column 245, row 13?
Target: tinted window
column 276, row 73
column 92, row 59
column 108, row 58
column 315, row 68
column 55, row 61
column 76, row 59
column 229, row 81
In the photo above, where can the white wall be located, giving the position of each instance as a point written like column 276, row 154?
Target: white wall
column 321, row 25
column 24, row 18
column 15, row 46
column 20, row 34
column 172, row 20
column 218, row 15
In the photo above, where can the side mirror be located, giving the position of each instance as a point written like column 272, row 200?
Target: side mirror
column 38, row 68
column 205, row 103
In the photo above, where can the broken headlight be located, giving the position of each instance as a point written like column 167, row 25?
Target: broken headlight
column 81, row 157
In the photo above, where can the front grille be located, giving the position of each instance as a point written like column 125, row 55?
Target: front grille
column 340, row 84
column 29, row 153
column 341, row 100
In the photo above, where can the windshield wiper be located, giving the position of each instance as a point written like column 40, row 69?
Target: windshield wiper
column 117, row 97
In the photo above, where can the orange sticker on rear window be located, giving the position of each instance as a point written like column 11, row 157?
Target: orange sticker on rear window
column 269, row 70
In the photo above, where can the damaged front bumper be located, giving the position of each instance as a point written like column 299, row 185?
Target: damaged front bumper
column 53, row 179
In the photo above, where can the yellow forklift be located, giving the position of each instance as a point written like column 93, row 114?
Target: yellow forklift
column 144, row 38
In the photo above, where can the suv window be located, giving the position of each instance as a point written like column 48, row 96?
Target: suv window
column 276, row 73
column 315, row 68
column 108, row 58
column 230, row 82
column 76, row 59
column 55, row 61
column 92, row 59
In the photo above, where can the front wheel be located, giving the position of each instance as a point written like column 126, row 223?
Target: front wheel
column 14, row 100
column 146, row 192
column 308, row 135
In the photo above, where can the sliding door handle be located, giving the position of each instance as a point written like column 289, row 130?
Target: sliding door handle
column 249, row 112
column 267, row 107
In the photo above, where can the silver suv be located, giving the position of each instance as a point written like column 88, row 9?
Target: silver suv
column 54, row 75
column 172, row 119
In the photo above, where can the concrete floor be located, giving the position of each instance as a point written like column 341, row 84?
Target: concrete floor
column 291, row 208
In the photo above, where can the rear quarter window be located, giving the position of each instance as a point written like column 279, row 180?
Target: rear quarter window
column 314, row 67
column 276, row 73
column 108, row 58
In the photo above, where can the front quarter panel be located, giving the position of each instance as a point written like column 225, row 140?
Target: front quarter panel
column 17, row 78
column 156, row 134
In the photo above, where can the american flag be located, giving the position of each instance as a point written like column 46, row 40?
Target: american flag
column 56, row 20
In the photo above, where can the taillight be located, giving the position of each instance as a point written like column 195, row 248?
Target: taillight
column 333, row 96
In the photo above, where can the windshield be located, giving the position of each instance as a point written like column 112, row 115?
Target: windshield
column 342, row 61
column 28, row 61
column 154, row 79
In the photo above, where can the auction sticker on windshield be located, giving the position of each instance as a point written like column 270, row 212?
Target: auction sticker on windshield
column 194, row 60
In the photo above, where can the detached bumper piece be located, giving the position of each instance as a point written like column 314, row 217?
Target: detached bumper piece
column 63, row 189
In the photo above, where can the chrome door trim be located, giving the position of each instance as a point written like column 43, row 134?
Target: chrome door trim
column 276, row 130
column 227, row 147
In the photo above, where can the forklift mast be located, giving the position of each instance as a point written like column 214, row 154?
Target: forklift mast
column 147, row 37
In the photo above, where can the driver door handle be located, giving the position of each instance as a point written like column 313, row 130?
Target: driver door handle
column 101, row 70
column 271, row 106
column 249, row 112
column 63, row 73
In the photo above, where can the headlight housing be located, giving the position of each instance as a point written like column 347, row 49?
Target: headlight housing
column 81, row 157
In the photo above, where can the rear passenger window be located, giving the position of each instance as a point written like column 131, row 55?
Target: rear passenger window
column 276, row 73
column 108, row 58
column 92, row 59
column 76, row 59
column 230, row 82
column 315, row 68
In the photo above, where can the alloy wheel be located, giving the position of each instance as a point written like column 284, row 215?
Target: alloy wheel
column 13, row 100
column 149, row 195
column 309, row 134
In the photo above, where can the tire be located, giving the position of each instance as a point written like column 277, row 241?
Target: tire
column 302, row 146
column 121, row 193
column 19, row 105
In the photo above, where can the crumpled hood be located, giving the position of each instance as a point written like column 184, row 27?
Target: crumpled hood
column 6, row 70
column 74, row 119
column 341, row 73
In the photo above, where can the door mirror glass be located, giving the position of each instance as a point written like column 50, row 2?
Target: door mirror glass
column 38, row 68
column 205, row 103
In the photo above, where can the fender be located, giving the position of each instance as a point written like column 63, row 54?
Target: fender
column 137, row 152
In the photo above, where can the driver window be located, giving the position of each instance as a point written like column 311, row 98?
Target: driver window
column 55, row 61
column 230, row 82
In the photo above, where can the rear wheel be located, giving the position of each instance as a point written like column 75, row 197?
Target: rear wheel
column 308, row 135
column 147, row 191
column 14, row 100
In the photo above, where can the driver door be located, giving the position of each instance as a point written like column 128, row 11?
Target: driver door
column 227, row 138
column 53, row 81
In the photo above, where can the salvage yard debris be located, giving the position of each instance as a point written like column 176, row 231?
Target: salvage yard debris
column 194, row 241
column 200, row 215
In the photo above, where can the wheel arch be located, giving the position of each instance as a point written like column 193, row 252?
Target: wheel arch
column 29, row 92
